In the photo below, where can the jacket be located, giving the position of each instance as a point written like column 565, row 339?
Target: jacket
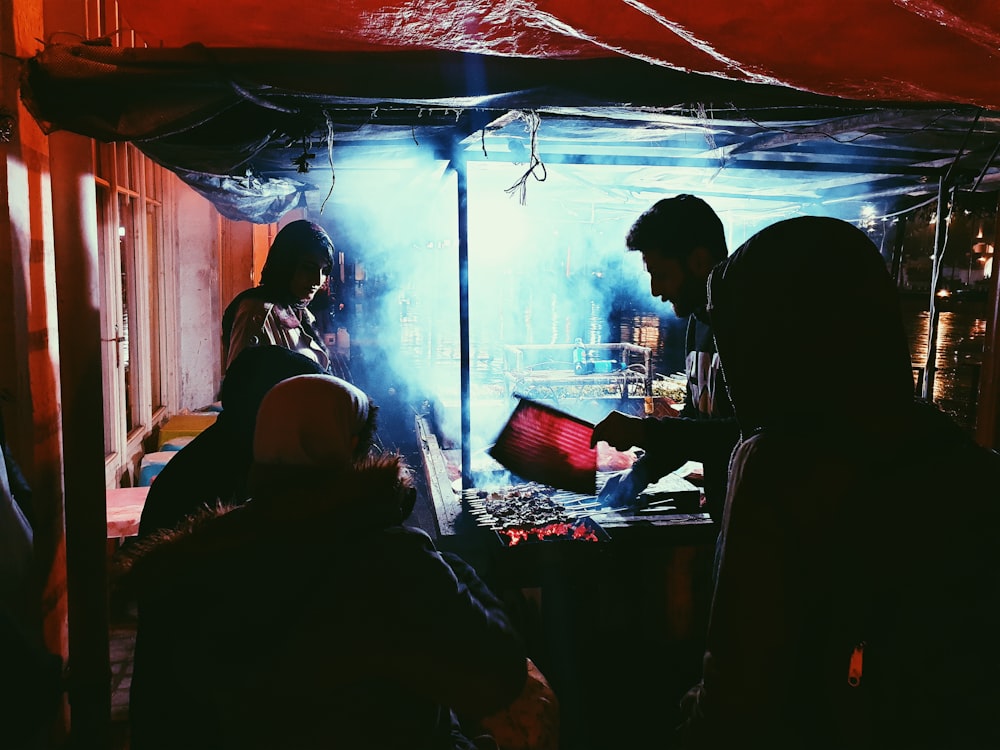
column 854, row 606
column 313, row 618
column 252, row 319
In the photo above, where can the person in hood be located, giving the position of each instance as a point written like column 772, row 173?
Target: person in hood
column 854, row 604
column 276, row 312
column 311, row 616
column 212, row 470
column 681, row 239
column 215, row 466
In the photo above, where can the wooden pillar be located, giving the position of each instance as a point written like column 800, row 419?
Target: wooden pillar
column 77, row 279
column 29, row 333
column 77, row 292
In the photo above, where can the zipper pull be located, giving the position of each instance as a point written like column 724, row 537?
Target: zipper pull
column 856, row 665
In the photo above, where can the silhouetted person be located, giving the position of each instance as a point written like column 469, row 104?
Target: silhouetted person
column 213, row 467
column 310, row 616
column 18, row 485
column 855, row 602
column 276, row 312
column 30, row 676
column 681, row 239
column 211, row 470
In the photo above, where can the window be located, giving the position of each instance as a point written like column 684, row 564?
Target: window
column 130, row 229
column 134, row 304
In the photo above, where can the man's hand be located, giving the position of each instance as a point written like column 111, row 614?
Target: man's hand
column 620, row 490
column 620, row 431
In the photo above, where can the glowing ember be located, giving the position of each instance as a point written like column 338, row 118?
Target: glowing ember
column 578, row 531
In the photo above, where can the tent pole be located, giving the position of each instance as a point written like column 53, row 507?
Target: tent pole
column 461, row 171
column 940, row 236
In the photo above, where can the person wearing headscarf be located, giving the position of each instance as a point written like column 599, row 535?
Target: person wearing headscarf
column 312, row 616
column 854, row 605
column 214, row 467
column 276, row 312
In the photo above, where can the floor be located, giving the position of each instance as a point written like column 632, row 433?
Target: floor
column 122, row 641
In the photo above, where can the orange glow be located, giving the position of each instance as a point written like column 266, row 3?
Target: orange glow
column 578, row 531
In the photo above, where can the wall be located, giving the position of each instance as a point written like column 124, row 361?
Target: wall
column 196, row 235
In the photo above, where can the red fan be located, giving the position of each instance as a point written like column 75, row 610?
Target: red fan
column 542, row 444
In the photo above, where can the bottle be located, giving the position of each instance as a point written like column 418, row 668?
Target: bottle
column 579, row 358
column 343, row 345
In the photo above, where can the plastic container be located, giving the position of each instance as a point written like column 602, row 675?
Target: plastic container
column 606, row 365
column 343, row 345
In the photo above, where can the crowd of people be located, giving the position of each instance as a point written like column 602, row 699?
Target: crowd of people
column 825, row 597
column 285, row 601
column 834, row 573
column 282, row 599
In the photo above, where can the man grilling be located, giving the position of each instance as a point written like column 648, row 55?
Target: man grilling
column 681, row 239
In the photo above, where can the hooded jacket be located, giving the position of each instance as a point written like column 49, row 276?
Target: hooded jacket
column 855, row 600
column 255, row 317
column 311, row 617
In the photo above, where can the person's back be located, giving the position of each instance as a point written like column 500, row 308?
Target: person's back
column 310, row 617
column 209, row 471
column 853, row 606
column 844, row 562
column 213, row 467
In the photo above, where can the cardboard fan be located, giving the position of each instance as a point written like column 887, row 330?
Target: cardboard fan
column 542, row 444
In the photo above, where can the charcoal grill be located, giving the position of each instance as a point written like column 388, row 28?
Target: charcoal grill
column 531, row 513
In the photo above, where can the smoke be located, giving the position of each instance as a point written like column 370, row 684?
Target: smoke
column 546, row 272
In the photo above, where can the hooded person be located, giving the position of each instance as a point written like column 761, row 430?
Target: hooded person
column 214, row 467
column 311, row 616
column 212, row 470
column 848, row 611
column 276, row 312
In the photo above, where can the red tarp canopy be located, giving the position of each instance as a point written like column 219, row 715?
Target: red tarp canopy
column 893, row 93
column 906, row 50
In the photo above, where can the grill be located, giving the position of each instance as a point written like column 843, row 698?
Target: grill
column 533, row 513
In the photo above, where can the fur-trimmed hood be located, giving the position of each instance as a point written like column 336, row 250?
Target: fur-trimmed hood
column 374, row 494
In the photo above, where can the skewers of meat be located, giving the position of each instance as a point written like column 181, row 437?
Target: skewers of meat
column 520, row 506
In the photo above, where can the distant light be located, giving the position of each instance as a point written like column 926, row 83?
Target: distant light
column 944, row 293
column 121, row 231
column 868, row 218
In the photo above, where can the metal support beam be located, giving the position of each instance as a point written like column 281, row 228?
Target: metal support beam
column 940, row 238
column 461, row 171
column 988, row 411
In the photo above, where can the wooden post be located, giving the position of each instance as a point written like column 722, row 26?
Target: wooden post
column 77, row 275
